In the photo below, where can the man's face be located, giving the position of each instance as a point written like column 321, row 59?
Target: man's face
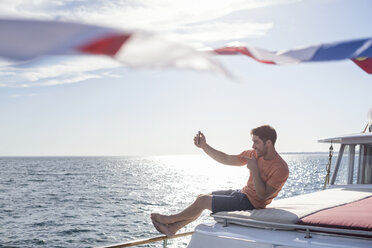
column 259, row 146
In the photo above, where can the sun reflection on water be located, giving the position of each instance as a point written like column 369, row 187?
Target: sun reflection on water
column 109, row 199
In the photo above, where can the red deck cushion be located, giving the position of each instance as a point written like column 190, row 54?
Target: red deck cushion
column 356, row 215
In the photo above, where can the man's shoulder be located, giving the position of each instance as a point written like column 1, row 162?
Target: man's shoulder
column 280, row 164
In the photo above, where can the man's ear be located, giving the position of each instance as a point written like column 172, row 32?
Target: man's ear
column 269, row 142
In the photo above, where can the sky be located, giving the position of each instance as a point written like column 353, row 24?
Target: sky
column 93, row 106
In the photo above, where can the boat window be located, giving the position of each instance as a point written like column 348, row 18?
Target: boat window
column 348, row 168
column 354, row 165
column 357, row 161
column 342, row 174
column 366, row 164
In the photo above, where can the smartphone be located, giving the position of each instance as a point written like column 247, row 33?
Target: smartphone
column 198, row 140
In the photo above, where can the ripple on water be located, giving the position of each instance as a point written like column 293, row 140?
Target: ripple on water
column 73, row 231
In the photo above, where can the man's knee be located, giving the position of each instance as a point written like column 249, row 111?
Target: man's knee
column 204, row 201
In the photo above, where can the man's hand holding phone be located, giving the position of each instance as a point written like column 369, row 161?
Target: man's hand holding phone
column 199, row 140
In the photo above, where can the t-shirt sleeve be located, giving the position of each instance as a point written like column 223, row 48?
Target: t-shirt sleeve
column 248, row 153
column 278, row 177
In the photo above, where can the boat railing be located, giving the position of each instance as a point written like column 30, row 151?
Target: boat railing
column 226, row 220
column 148, row 240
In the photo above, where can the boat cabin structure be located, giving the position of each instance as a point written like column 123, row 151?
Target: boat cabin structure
column 354, row 160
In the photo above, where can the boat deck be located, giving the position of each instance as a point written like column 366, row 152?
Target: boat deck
column 356, row 216
column 344, row 210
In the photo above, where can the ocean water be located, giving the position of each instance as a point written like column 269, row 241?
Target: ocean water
column 98, row 201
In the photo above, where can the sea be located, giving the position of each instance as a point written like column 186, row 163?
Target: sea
column 101, row 201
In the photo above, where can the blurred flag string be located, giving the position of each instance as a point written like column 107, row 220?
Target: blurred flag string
column 23, row 40
column 359, row 51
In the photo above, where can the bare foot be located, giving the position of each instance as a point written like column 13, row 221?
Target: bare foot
column 162, row 219
column 162, row 228
column 155, row 225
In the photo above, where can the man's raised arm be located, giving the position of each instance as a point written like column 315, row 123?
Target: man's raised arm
column 201, row 142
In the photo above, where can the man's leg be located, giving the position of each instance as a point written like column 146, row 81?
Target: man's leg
column 177, row 221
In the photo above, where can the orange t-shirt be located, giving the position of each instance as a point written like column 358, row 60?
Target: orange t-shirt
column 273, row 172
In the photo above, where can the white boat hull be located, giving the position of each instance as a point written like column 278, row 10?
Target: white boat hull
column 215, row 235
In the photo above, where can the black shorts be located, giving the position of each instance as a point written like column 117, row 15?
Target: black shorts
column 230, row 200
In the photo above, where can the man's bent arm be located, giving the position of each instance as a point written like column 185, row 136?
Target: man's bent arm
column 263, row 190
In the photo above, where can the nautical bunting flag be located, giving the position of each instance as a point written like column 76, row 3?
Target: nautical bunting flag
column 359, row 51
column 28, row 39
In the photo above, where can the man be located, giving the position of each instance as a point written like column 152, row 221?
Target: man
column 268, row 173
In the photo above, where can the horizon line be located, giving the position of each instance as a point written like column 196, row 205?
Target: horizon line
column 127, row 155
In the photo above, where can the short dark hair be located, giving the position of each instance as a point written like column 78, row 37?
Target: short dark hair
column 265, row 133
